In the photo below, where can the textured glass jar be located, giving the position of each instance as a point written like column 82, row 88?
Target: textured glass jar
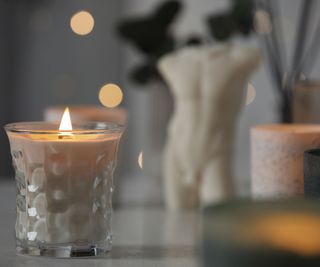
column 64, row 187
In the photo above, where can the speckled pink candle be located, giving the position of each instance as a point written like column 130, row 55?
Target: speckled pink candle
column 277, row 158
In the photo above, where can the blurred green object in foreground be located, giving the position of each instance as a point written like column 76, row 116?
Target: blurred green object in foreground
column 270, row 233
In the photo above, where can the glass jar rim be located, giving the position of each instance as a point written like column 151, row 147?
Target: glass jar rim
column 79, row 128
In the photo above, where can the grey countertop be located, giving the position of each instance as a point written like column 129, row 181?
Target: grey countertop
column 142, row 237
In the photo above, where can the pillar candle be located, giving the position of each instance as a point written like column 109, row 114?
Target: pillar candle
column 277, row 158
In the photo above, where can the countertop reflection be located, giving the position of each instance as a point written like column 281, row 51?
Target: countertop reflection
column 142, row 237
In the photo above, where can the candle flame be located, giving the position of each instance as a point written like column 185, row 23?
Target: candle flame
column 65, row 124
column 140, row 160
column 82, row 23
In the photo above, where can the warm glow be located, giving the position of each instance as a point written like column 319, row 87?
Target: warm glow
column 291, row 232
column 110, row 95
column 262, row 22
column 251, row 94
column 140, row 160
column 82, row 23
column 65, row 124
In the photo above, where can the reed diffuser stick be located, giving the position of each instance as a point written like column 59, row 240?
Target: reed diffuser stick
column 276, row 34
column 301, row 35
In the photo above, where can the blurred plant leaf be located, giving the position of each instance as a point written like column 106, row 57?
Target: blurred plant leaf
column 144, row 73
column 221, row 26
column 150, row 34
column 242, row 11
column 239, row 19
column 167, row 12
column 193, row 41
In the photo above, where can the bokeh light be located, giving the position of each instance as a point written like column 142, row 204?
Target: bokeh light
column 251, row 94
column 82, row 23
column 140, row 160
column 110, row 95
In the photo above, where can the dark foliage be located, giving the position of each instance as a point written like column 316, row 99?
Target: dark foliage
column 237, row 20
column 193, row 40
column 221, row 26
column 150, row 34
column 144, row 73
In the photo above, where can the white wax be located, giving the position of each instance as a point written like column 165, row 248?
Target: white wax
column 68, row 187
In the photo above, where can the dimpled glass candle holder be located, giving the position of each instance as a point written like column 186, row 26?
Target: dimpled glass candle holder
column 64, row 187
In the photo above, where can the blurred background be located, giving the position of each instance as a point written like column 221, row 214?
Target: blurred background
column 47, row 62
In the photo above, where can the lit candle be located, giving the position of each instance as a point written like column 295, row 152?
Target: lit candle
column 64, row 180
column 277, row 158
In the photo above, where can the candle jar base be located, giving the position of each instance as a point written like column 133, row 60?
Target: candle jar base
column 67, row 250
column 64, row 188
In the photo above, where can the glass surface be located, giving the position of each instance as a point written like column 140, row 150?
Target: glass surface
column 64, row 187
column 311, row 171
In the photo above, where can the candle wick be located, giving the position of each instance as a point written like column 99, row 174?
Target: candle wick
column 65, row 136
